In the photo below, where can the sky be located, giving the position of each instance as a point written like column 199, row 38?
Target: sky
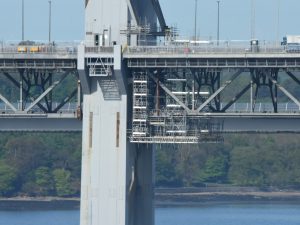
column 235, row 19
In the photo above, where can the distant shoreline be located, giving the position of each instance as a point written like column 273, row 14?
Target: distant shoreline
column 39, row 203
column 162, row 199
column 201, row 198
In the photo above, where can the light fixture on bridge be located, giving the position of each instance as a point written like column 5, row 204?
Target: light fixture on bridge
column 218, row 23
column 22, row 20
column 50, row 1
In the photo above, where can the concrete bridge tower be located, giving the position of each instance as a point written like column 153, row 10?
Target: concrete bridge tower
column 117, row 176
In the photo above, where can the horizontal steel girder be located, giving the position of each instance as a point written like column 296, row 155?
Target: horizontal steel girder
column 233, row 122
column 39, row 123
column 187, row 62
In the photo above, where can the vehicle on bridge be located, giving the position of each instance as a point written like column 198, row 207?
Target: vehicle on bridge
column 33, row 47
column 291, row 43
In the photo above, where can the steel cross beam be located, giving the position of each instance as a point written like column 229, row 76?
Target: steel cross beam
column 171, row 94
column 286, row 92
column 68, row 98
column 233, row 100
column 219, row 90
column 293, row 77
column 46, row 92
column 8, row 103
column 17, row 84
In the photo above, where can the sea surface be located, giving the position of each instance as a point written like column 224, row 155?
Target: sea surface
column 211, row 214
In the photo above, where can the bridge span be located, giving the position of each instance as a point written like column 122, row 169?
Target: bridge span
column 185, row 83
column 128, row 97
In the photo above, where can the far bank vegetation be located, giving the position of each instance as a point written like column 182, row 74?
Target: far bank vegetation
column 49, row 164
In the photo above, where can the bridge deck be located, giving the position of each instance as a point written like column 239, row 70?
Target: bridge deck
column 41, row 57
column 142, row 57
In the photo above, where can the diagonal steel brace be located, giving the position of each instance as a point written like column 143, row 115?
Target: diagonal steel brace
column 50, row 88
column 171, row 94
column 286, row 92
column 219, row 90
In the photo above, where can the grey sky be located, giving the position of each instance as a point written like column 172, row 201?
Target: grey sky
column 235, row 17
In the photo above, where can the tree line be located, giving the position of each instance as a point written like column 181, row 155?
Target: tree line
column 242, row 160
column 40, row 164
column 49, row 164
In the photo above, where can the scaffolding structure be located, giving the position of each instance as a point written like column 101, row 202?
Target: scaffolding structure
column 158, row 118
column 140, row 105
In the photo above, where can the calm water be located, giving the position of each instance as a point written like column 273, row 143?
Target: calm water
column 225, row 214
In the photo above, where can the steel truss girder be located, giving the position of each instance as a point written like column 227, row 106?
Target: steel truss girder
column 43, row 79
column 170, row 94
column 260, row 77
column 166, row 124
column 46, row 92
column 219, row 90
column 293, row 77
column 170, row 114
column 237, row 97
column 177, row 61
column 63, row 102
column 286, row 92
column 7, row 103
column 211, row 79
column 203, row 78
column 23, row 89
column 11, row 63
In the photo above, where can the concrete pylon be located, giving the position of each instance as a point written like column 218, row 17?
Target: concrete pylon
column 117, row 21
column 117, row 177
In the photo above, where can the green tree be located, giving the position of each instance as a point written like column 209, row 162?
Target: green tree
column 246, row 168
column 215, row 169
column 8, row 177
column 25, row 153
column 44, row 181
column 166, row 169
column 62, row 179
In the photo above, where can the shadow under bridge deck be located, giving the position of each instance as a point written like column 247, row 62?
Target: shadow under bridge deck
column 187, row 94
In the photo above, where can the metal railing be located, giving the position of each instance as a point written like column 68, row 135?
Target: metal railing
column 60, row 48
column 260, row 107
column 288, row 107
column 190, row 50
column 173, row 47
column 38, row 65
column 99, row 49
column 207, row 47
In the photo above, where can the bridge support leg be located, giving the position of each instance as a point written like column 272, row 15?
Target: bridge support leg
column 116, row 183
column 140, row 202
column 117, row 176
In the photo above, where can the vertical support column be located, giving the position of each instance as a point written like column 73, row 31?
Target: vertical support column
column 78, row 94
column 218, row 97
column 104, row 159
column 116, row 184
column 251, row 96
column 193, row 92
column 140, row 192
column 50, row 94
column 21, row 92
